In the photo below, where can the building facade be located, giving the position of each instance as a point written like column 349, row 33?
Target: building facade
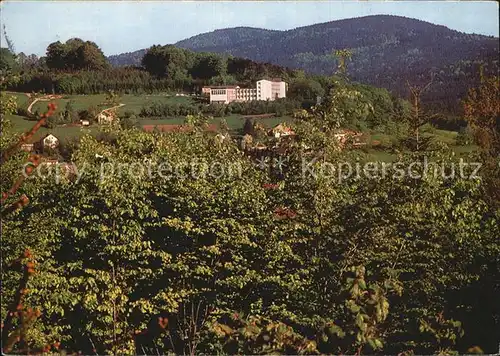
column 265, row 90
column 271, row 89
column 223, row 94
column 246, row 94
column 205, row 91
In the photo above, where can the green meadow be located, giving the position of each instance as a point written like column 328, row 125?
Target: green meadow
column 379, row 145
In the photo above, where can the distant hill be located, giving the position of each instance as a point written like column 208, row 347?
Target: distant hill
column 212, row 39
column 226, row 38
column 387, row 51
column 127, row 59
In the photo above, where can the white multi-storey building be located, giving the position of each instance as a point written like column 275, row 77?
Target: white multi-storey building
column 271, row 89
column 265, row 90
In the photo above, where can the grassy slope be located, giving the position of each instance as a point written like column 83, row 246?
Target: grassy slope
column 134, row 103
column 233, row 121
column 20, row 124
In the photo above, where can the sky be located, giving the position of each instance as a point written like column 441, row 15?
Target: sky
column 125, row 26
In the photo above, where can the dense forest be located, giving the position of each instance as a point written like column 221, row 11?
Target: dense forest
column 80, row 67
column 387, row 51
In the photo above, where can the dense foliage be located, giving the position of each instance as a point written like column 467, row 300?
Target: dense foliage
column 75, row 54
column 211, row 253
column 125, row 80
column 482, row 110
column 7, row 60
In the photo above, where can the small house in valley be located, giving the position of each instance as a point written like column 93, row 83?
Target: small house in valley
column 27, row 147
column 50, row 141
column 106, row 117
column 281, row 130
column 344, row 136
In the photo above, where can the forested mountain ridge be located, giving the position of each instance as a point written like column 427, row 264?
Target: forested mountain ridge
column 127, row 58
column 387, row 51
column 324, row 37
column 226, row 37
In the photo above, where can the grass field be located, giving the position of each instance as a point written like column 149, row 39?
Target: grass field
column 21, row 124
column 134, row 103
column 234, row 122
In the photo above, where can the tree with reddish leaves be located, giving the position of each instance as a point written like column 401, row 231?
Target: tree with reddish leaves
column 482, row 111
column 19, row 319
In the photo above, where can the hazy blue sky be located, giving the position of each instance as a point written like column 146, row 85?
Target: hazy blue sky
column 124, row 26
